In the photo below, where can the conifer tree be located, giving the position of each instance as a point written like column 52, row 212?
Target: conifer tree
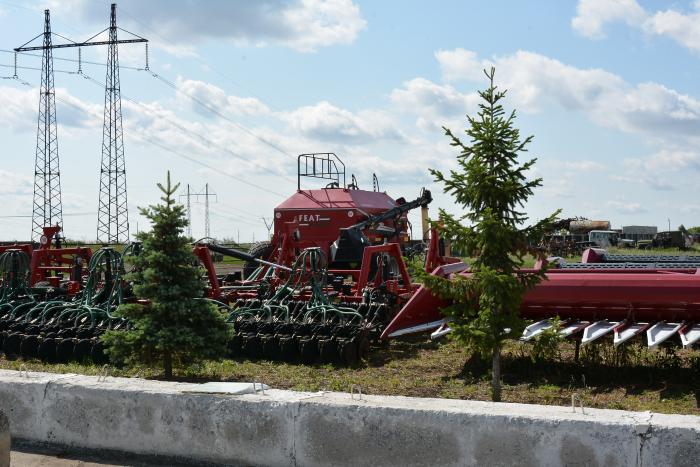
column 176, row 327
column 492, row 187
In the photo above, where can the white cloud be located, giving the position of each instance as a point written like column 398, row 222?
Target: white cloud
column 322, row 23
column 580, row 165
column 434, row 104
column 246, row 106
column 458, row 64
column 646, row 179
column 682, row 27
column 670, row 160
column 15, row 184
column 326, row 122
column 626, row 207
column 303, row 25
column 410, row 169
column 534, row 81
column 216, row 98
column 557, row 186
column 665, row 170
column 691, row 208
column 19, row 107
column 591, row 15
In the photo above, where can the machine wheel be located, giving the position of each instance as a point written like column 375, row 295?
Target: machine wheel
column 257, row 250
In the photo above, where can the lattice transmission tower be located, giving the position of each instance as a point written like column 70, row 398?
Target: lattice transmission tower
column 47, row 208
column 112, row 222
column 113, row 215
column 206, row 194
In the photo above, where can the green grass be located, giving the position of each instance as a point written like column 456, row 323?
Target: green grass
column 634, row 378
column 230, row 260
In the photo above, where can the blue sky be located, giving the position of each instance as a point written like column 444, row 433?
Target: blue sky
column 608, row 88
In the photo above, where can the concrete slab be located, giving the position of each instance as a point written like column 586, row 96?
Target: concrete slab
column 228, row 388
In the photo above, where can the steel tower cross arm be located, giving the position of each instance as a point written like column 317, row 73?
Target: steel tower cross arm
column 137, row 39
column 80, row 44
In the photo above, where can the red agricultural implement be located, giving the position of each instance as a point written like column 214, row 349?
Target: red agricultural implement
column 55, row 302
column 333, row 279
column 333, row 274
column 52, row 265
column 594, row 300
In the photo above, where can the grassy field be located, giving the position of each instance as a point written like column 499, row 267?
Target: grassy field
column 664, row 381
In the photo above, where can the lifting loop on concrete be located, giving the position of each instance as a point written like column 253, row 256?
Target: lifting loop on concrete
column 104, row 372
column 23, row 371
column 255, row 387
column 574, row 397
column 352, row 391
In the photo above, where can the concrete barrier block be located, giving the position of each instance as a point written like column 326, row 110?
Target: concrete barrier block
column 672, row 440
column 413, row 432
column 282, row 428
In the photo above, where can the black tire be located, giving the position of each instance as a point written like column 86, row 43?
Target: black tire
column 260, row 250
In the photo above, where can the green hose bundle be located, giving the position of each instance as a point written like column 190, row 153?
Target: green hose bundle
column 14, row 288
column 309, row 271
column 103, row 292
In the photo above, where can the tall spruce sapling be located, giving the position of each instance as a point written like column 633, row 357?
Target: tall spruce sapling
column 176, row 327
column 492, row 187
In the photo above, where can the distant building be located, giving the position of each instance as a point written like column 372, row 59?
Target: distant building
column 639, row 232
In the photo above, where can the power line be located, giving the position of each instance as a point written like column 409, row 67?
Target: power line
column 38, row 10
column 72, row 214
column 37, row 69
column 233, row 218
column 149, row 140
column 172, row 122
column 202, row 103
column 194, row 133
column 217, row 112
column 200, row 60
column 194, row 99
column 217, row 170
column 73, row 60
column 250, row 214
column 210, row 167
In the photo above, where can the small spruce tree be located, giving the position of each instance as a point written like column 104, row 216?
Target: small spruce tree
column 491, row 185
column 176, row 327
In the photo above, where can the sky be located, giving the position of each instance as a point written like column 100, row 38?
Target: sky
column 237, row 89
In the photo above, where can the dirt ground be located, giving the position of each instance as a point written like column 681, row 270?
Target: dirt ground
column 50, row 456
